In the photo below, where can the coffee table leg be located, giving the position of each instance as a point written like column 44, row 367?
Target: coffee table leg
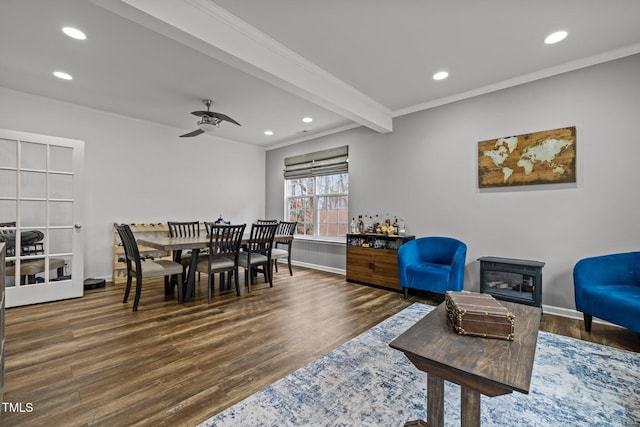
column 470, row 407
column 435, row 401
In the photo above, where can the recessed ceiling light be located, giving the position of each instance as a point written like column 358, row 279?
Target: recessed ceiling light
column 440, row 75
column 556, row 37
column 268, row 132
column 307, row 119
column 74, row 33
column 62, row 75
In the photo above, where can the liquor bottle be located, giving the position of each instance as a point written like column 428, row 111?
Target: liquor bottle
column 352, row 227
column 360, row 224
column 401, row 229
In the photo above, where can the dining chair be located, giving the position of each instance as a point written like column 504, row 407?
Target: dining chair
column 266, row 221
column 223, row 256
column 219, row 221
column 145, row 269
column 257, row 252
column 282, row 248
column 183, row 229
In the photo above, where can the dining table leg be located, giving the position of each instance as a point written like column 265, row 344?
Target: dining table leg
column 190, row 280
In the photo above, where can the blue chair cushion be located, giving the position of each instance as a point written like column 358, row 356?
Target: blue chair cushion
column 618, row 304
column 437, row 275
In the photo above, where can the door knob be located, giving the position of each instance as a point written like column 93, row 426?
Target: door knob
column 78, row 226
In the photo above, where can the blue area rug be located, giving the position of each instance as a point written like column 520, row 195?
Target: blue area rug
column 365, row 382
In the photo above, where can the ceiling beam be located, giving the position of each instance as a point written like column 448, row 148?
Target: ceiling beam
column 210, row 29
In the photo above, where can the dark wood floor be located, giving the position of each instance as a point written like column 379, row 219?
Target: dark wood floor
column 91, row 361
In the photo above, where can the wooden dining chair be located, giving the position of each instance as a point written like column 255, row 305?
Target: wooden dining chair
column 223, row 256
column 145, row 269
column 282, row 248
column 266, row 221
column 183, row 229
column 257, row 253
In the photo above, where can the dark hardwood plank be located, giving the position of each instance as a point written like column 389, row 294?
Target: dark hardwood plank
column 91, row 361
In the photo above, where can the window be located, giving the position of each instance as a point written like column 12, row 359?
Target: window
column 317, row 192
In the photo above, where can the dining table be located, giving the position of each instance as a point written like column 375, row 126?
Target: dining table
column 195, row 244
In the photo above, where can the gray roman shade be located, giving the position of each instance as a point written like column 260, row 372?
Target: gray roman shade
column 326, row 162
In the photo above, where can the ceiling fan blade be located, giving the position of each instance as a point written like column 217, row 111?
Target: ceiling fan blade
column 201, row 113
column 223, row 117
column 194, row 133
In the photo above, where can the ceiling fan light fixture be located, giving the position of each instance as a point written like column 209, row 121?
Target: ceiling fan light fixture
column 208, row 125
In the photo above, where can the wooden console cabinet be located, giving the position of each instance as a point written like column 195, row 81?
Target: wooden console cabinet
column 372, row 259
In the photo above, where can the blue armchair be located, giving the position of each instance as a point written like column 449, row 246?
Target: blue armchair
column 608, row 287
column 433, row 264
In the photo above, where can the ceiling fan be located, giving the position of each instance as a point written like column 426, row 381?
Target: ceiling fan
column 208, row 120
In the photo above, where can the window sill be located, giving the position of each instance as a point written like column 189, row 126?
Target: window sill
column 326, row 240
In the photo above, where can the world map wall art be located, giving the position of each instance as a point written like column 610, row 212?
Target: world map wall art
column 546, row 157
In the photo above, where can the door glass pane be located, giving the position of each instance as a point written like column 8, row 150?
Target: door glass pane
column 8, row 237
column 32, row 242
column 61, row 159
column 33, row 213
column 7, row 183
column 61, row 241
column 60, row 268
column 8, row 153
column 32, row 271
column 33, row 185
column 10, row 272
column 33, row 156
column 61, row 213
column 7, row 213
column 60, row 186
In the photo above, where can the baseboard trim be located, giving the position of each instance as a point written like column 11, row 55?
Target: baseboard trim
column 550, row 309
column 320, row 267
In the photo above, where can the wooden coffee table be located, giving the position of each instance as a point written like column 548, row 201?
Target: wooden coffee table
column 492, row 367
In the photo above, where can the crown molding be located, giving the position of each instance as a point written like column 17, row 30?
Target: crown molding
column 527, row 78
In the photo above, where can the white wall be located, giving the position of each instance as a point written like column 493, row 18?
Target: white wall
column 426, row 171
column 139, row 172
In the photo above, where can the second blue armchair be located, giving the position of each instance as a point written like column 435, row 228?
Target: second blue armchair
column 434, row 264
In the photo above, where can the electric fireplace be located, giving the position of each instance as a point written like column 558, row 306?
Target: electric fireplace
column 514, row 280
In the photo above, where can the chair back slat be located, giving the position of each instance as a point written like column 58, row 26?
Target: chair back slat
column 261, row 238
column 224, row 239
column 131, row 251
column 286, row 228
column 266, row 221
column 184, row 229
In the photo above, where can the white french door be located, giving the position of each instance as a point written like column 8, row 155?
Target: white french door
column 40, row 217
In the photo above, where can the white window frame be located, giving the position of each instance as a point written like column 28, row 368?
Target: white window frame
column 316, row 212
